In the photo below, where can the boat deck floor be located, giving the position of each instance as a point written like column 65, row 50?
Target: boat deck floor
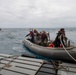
column 17, row 65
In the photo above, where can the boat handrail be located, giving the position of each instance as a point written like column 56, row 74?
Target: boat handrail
column 67, row 50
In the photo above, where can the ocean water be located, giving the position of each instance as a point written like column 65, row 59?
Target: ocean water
column 11, row 39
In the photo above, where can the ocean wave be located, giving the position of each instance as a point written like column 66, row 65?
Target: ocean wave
column 18, row 49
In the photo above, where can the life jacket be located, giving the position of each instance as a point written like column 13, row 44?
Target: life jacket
column 51, row 45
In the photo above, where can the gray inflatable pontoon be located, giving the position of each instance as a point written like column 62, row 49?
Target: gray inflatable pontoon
column 52, row 53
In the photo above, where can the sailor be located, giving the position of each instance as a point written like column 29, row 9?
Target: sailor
column 60, row 35
column 35, row 35
column 35, row 31
column 44, row 38
column 31, row 35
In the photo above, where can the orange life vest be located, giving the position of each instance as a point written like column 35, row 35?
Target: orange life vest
column 51, row 45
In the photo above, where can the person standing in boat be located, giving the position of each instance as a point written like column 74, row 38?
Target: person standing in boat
column 60, row 35
column 44, row 38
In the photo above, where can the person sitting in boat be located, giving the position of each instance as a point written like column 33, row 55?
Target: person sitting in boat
column 35, row 31
column 37, row 37
column 60, row 37
column 44, row 38
column 31, row 34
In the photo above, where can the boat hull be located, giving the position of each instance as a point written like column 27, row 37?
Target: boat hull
column 52, row 53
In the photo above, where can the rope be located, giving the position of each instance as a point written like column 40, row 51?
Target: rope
column 67, row 51
column 57, row 66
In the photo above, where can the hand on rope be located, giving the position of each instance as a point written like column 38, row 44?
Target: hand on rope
column 67, row 51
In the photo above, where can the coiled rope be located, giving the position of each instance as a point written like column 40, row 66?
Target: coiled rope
column 67, row 51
